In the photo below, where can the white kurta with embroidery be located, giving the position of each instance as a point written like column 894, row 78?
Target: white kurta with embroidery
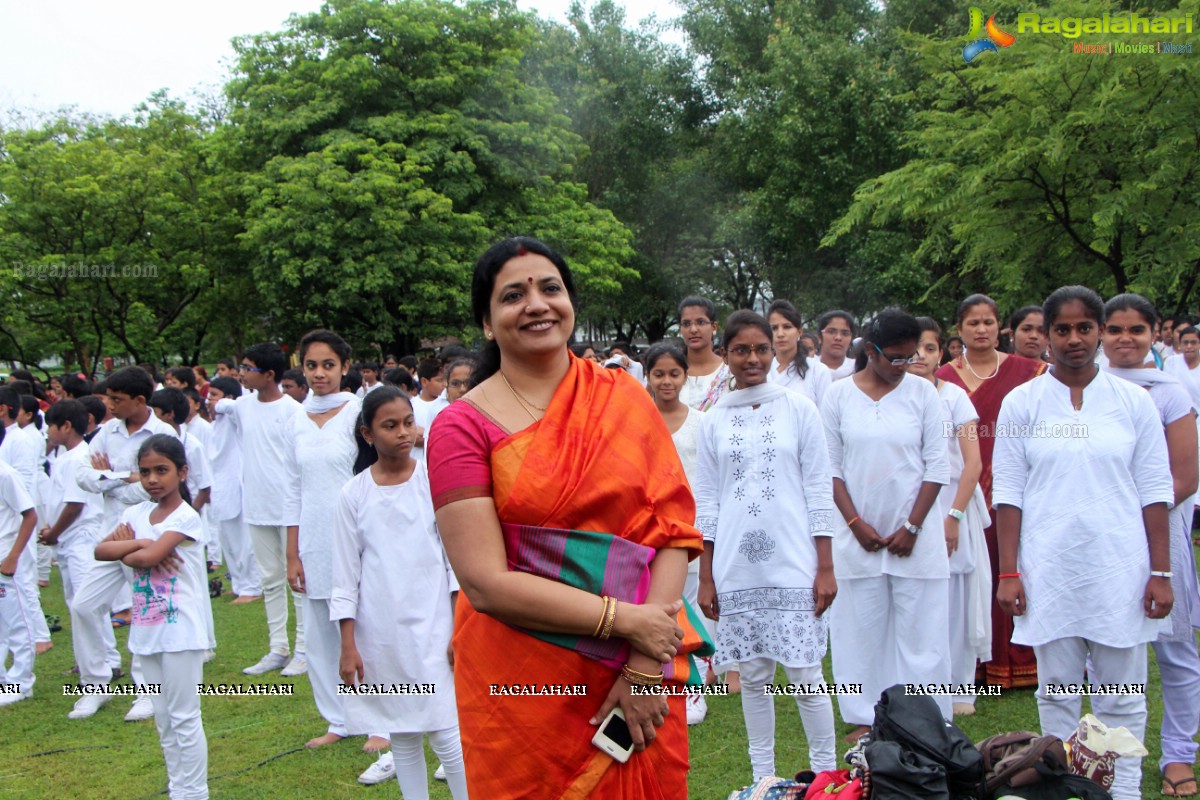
column 884, row 450
column 1081, row 479
column 392, row 577
column 763, row 493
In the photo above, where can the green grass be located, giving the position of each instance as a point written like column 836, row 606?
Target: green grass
column 256, row 743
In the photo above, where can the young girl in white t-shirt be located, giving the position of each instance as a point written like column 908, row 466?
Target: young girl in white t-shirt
column 163, row 542
column 393, row 596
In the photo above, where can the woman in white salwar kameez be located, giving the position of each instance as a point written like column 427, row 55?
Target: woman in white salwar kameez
column 1128, row 336
column 966, row 515
column 792, row 367
column 1081, row 486
column 764, row 505
column 888, row 457
column 393, row 598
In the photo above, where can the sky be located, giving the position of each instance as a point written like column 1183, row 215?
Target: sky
column 107, row 57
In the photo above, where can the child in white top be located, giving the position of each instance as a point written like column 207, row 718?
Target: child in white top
column 161, row 541
column 388, row 556
column 17, row 518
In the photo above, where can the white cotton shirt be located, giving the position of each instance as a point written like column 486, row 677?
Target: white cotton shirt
column 171, row 610
column 813, row 385
column 21, row 452
column 697, row 388
column 424, row 413
column 121, row 447
column 1189, row 376
column 884, row 451
column 266, row 481
column 763, row 494
column 323, row 459
column 14, row 501
column 225, row 455
column 957, row 411
column 685, row 445
column 1081, row 480
column 64, row 488
column 392, row 577
column 201, row 429
column 844, row 371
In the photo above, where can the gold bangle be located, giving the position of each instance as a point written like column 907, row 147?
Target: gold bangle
column 610, row 617
column 603, row 616
column 641, row 678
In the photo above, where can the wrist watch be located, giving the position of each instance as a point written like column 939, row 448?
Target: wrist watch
column 958, row 515
column 913, row 529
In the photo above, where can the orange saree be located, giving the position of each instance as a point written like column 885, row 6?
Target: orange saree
column 599, row 460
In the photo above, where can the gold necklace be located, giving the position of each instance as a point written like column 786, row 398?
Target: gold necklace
column 995, row 372
column 525, row 404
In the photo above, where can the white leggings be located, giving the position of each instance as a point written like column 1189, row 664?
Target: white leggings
column 408, row 754
column 177, row 717
column 758, row 709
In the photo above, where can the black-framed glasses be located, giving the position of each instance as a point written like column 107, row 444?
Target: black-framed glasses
column 837, row 331
column 744, row 350
column 688, row 324
column 248, row 368
column 897, row 362
column 457, row 384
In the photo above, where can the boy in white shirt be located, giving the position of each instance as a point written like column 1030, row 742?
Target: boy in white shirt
column 17, row 519
column 267, row 483
column 429, row 402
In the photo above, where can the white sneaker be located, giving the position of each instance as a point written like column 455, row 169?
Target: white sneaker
column 7, row 699
column 384, row 769
column 439, row 774
column 209, row 655
column 297, row 666
column 142, row 708
column 88, row 705
column 268, row 663
column 697, row 709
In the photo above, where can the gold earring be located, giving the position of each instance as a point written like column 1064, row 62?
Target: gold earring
column 488, row 334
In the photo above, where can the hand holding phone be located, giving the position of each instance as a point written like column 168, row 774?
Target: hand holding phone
column 613, row 736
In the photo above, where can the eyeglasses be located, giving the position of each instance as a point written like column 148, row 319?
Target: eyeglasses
column 743, row 351
column 897, row 362
column 688, row 324
column 248, row 368
column 458, row 384
column 836, row 331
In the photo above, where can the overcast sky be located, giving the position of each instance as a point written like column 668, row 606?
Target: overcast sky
column 106, row 57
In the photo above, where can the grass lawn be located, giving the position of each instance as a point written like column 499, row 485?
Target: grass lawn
column 256, row 743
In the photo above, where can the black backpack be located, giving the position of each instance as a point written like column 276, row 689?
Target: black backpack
column 916, row 724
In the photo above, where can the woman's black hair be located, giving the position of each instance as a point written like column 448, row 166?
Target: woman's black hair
column 668, row 350
column 1132, row 302
column 35, row 386
column 930, row 324
column 352, row 381
column 366, row 416
column 1092, row 303
column 75, row 386
column 1020, row 314
column 890, row 327
column 459, row 362
column 29, row 405
column 739, row 321
column 971, row 302
column 336, row 343
column 698, row 302
column 788, row 311
column 173, row 450
column 484, row 281
column 227, row 386
column 830, row 316
column 580, row 349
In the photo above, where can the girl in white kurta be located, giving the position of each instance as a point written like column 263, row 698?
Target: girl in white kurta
column 1081, row 484
column 966, row 516
column 321, row 456
column 171, row 617
column 764, row 506
column 888, row 456
column 786, row 369
column 393, row 598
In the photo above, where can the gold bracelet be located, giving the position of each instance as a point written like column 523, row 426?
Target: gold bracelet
column 641, row 678
column 610, row 617
column 603, row 616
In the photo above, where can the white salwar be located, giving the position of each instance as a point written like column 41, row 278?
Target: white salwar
column 392, row 577
column 1081, row 479
column 970, row 575
column 763, row 493
column 891, row 621
column 813, row 385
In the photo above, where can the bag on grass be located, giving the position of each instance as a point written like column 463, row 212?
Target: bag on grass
column 901, row 774
column 835, row 784
column 1093, row 750
column 915, row 723
column 1010, row 759
column 771, row 789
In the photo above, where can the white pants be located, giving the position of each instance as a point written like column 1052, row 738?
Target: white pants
column 324, row 650
column 16, row 626
column 239, row 557
column 758, row 709
column 962, row 655
column 91, row 629
column 177, row 717
column 1179, row 664
column 1062, row 661
column 27, row 585
column 270, row 551
column 212, row 541
column 409, row 757
column 888, row 630
column 75, row 558
column 45, row 554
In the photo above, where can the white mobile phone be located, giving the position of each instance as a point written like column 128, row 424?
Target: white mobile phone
column 613, row 736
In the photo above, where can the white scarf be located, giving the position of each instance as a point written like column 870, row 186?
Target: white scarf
column 1142, row 377
column 320, row 403
column 752, row 395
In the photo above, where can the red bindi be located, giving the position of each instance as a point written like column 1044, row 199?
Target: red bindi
column 531, row 280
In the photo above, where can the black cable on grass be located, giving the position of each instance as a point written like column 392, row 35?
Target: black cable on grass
column 68, row 750
column 262, row 763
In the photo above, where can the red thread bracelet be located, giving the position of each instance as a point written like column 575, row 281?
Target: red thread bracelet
column 1010, row 575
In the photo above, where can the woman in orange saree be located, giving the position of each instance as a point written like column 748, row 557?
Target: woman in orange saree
column 988, row 376
column 549, row 448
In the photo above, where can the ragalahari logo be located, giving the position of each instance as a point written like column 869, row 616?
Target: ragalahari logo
column 981, row 43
